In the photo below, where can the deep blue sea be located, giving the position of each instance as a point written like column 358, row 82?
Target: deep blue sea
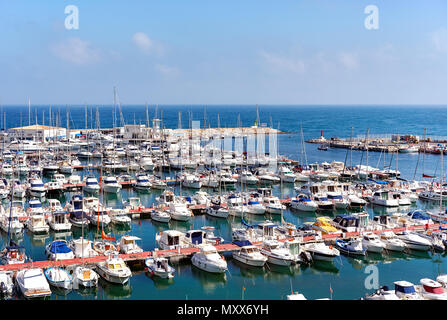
column 346, row 276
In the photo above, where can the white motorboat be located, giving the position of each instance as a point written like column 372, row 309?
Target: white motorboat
column 355, row 201
column 160, row 267
column 383, row 198
column 209, row 181
column 66, row 168
column 85, row 277
column 128, row 244
column 114, row 270
column 99, row 216
column 304, row 203
column 273, row 205
column 10, row 222
column 32, row 283
column 215, row 209
column 146, row 163
column 111, row 185
column 105, row 245
column 286, row 175
column 209, row 260
column 250, row 255
column 321, row 251
column 37, row 224
column 338, row 200
column 179, row 211
column 91, row 185
column 414, row 241
column 254, row 207
column 157, row 183
column 323, row 202
column 59, row 221
column 160, row 216
column 119, row 217
column 431, row 290
column 276, row 253
column 142, row 183
column 392, row 242
column 191, row 181
column 235, row 205
column 170, row 240
column 351, row 247
column 7, row 169
column 372, row 243
column 37, row 188
column 59, row 278
column 166, row 198
column 246, row 177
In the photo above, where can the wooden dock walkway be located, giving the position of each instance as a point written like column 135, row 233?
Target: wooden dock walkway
column 185, row 252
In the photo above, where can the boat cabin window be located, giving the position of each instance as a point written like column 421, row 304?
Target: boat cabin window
column 314, row 189
column 173, row 240
column 126, row 241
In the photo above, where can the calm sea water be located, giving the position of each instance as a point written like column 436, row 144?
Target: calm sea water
column 346, row 276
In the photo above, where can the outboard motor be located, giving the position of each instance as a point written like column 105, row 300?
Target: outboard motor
column 306, row 257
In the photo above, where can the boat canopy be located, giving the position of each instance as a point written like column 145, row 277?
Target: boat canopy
column 242, row 243
column 404, row 287
column 59, row 247
column 418, row 214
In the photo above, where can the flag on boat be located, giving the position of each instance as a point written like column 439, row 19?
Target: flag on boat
column 427, row 176
column 105, row 237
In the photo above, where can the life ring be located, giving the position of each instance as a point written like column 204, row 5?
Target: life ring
column 21, row 257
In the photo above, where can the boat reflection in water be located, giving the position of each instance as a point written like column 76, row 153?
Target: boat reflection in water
column 38, row 240
column 160, row 283
column 325, row 266
column 112, row 291
column 247, row 271
column 209, row 281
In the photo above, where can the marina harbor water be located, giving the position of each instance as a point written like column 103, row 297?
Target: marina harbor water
column 239, row 207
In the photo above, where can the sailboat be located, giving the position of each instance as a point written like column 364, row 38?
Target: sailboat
column 83, row 275
column 441, row 215
column 13, row 253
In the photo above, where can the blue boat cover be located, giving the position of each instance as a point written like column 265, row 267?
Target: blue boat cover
column 60, row 246
column 418, row 215
column 408, row 289
column 242, row 243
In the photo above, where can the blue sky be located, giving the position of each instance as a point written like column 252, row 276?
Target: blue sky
column 224, row 52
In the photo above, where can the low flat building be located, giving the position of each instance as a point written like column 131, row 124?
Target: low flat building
column 38, row 132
